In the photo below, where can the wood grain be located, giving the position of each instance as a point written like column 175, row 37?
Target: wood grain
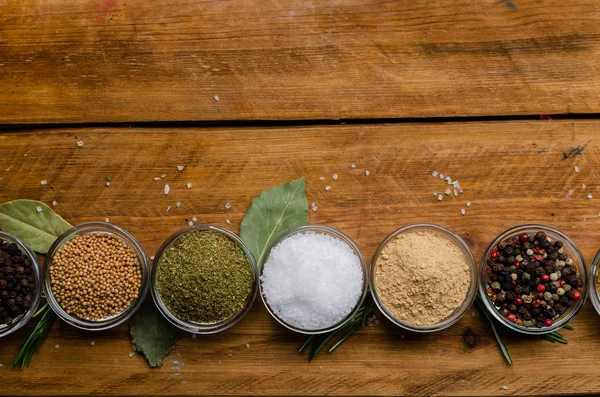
column 511, row 172
column 135, row 60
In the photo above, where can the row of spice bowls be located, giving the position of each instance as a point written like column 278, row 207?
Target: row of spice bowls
column 423, row 278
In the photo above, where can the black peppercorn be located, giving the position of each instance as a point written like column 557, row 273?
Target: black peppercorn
column 17, row 282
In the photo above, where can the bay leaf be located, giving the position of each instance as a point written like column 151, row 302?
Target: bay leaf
column 38, row 230
column 151, row 333
column 271, row 214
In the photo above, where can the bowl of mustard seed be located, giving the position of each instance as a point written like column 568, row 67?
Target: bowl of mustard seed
column 204, row 279
column 96, row 276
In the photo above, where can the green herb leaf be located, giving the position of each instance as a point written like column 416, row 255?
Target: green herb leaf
column 108, row 179
column 34, row 340
column 152, row 334
column 272, row 213
column 38, row 230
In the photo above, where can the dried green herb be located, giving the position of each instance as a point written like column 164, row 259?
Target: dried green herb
column 204, row 277
column 271, row 214
column 151, row 334
column 33, row 222
column 34, row 340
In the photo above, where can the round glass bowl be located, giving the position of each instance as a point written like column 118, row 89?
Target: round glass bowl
column 569, row 247
column 97, row 228
column 204, row 328
column 330, row 231
column 593, row 283
column 469, row 297
column 21, row 320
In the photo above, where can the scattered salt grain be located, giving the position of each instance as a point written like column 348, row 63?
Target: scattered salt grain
column 590, row 195
column 463, row 211
column 157, row 178
column 314, row 207
column 216, row 98
column 247, row 345
column 106, row 220
column 455, row 193
column 195, row 219
column 152, row 258
column 576, row 168
column 190, row 223
column 80, row 143
column 440, row 197
column 442, row 176
column 227, row 205
column 327, row 188
column 321, row 178
column 194, row 336
column 107, row 184
column 180, row 168
column 335, row 177
column 54, row 203
column 505, row 387
column 178, row 204
column 228, row 222
column 56, row 346
column 44, row 182
column 38, row 208
column 461, row 190
column 468, row 203
column 189, row 185
column 583, row 185
column 448, row 180
column 353, row 165
column 167, row 189
column 320, row 367
column 367, row 173
column 1, row 365
column 168, row 208
column 163, row 176
column 131, row 354
column 473, row 314
column 312, row 280
column 92, row 343
column 434, row 174
column 447, row 191
column 435, row 193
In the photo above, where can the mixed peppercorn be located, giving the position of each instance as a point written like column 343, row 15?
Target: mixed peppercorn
column 17, row 283
column 532, row 281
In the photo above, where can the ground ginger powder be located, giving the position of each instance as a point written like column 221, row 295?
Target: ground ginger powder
column 421, row 277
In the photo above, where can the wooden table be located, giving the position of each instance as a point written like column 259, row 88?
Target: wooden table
column 245, row 94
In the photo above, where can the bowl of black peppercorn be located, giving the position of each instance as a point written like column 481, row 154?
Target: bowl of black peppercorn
column 533, row 279
column 20, row 284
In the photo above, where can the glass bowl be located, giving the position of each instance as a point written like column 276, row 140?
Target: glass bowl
column 204, row 328
column 469, row 297
column 97, row 228
column 569, row 247
column 593, row 284
column 330, row 231
column 21, row 320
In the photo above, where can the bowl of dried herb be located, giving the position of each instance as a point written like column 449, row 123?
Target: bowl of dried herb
column 204, row 279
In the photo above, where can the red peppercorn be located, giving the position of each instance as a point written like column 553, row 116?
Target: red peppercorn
column 576, row 295
column 548, row 323
column 519, row 321
column 517, row 264
column 538, row 257
column 490, row 291
column 515, row 240
column 513, row 282
column 489, row 270
column 505, row 312
column 511, row 317
column 553, row 213
column 494, row 254
column 518, row 301
column 524, row 238
column 561, row 282
column 545, row 277
column 541, row 288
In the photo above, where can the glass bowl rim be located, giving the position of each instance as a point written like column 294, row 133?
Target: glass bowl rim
column 25, row 318
column 329, row 230
column 91, row 228
column 571, row 312
column 196, row 328
column 459, row 311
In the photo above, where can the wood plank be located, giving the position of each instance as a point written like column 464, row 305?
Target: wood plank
column 134, row 60
column 511, row 172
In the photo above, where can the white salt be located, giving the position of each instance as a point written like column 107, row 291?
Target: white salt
column 590, row 196
column 189, row 185
column 54, row 203
column 190, row 223
column 180, row 168
column 434, row 174
column 195, row 219
column 576, row 169
column 228, row 222
column 92, row 343
column 314, row 207
column 321, row 178
column 107, row 184
column 353, row 165
column 38, row 208
column 79, row 144
column 447, row 191
column 227, row 205
column 312, row 280
column 44, row 182
column 335, row 177
column 56, row 346
column 152, row 258
column 327, row 188
column 178, row 204
column 131, row 354
column 216, row 98
column 367, row 173
column 168, row 208
column 106, row 220
column 440, row 197
column 442, row 176
column 463, row 211
column 157, row 178
column 163, row 176
column 468, row 203
column 167, row 189
column 247, row 345
column 583, row 185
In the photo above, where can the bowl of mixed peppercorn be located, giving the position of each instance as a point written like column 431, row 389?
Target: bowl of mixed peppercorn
column 533, row 279
column 20, row 284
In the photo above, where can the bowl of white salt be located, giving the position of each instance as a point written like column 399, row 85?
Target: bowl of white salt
column 314, row 279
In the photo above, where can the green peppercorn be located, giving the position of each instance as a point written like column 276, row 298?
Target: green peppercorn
column 526, row 276
column 554, row 285
column 560, row 291
column 514, row 276
column 496, row 286
column 527, row 323
column 527, row 298
column 555, row 297
column 566, row 287
column 547, row 296
column 553, row 276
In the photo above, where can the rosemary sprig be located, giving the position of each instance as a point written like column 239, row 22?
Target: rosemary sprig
column 358, row 321
column 553, row 337
column 35, row 338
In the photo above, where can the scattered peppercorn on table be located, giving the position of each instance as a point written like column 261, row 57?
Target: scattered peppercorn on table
column 110, row 66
